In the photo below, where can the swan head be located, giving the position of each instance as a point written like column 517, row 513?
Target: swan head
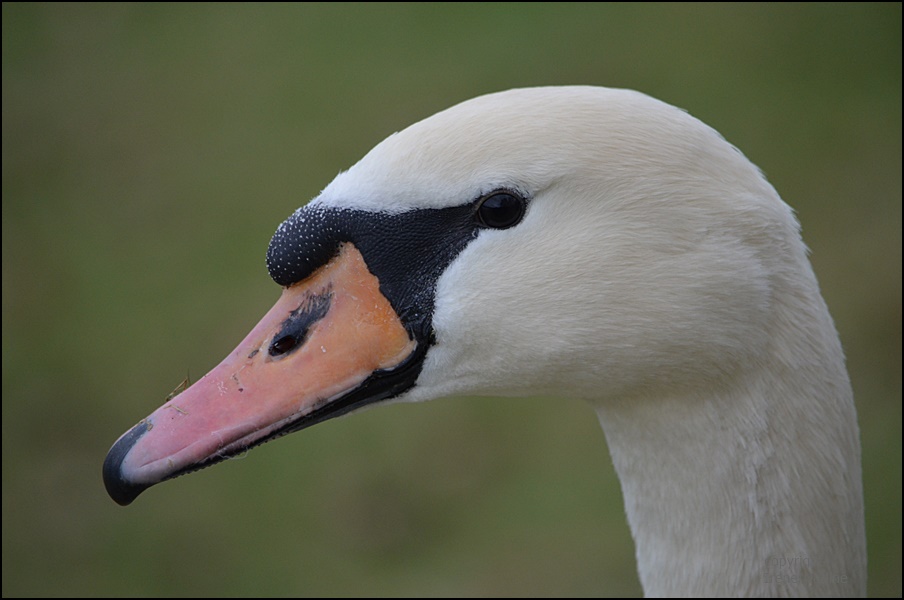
column 564, row 241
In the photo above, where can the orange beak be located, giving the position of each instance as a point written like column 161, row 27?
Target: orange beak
column 331, row 344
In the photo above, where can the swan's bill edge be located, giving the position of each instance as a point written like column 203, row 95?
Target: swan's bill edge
column 331, row 344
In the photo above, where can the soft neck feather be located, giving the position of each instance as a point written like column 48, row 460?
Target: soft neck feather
column 750, row 487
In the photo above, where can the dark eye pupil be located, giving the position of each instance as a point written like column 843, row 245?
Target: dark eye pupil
column 501, row 211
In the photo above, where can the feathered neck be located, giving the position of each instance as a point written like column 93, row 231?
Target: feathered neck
column 752, row 487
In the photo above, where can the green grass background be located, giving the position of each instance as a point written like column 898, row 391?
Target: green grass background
column 149, row 152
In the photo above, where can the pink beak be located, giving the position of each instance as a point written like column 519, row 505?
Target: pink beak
column 325, row 337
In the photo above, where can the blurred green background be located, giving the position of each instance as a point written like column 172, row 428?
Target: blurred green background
column 150, row 151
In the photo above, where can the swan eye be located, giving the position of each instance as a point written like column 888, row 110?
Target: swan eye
column 501, row 210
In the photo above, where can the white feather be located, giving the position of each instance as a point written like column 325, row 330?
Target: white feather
column 660, row 277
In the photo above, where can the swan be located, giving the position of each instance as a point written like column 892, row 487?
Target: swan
column 578, row 242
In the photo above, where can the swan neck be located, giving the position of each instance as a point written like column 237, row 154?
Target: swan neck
column 752, row 491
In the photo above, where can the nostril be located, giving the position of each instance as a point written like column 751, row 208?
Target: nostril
column 293, row 332
column 283, row 345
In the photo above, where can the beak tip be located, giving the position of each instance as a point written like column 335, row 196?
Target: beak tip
column 120, row 489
